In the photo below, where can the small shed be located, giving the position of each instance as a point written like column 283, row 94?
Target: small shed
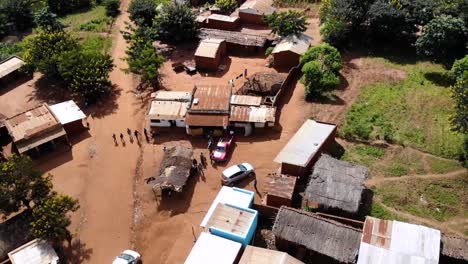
column 34, row 127
column 222, row 22
column 288, row 51
column 9, row 68
column 210, row 53
column 305, row 147
column 336, row 186
column 213, row 249
column 386, row 241
column 254, row 11
column 70, row 116
column 279, row 190
column 257, row 255
column 167, row 113
column 34, row 252
column 175, row 169
column 454, row 249
column 233, row 223
column 236, row 41
column 318, row 237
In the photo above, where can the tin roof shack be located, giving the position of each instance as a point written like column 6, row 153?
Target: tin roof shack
column 213, row 249
column 14, row 232
column 210, row 53
column 386, row 241
column 175, row 169
column 222, row 22
column 9, row 69
column 235, row 196
column 320, row 239
column 254, row 11
column 168, row 108
column 304, row 148
column 236, row 42
column 454, row 250
column 34, row 127
column 257, row 255
column 279, row 190
column 172, row 96
column 337, row 187
column 247, row 112
column 233, row 223
column 209, row 108
column 288, row 51
column 34, row 252
column 70, row 116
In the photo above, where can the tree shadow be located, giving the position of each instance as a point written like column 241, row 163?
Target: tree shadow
column 343, row 81
column 106, row 106
column 49, row 90
column 6, row 85
column 75, row 253
column 438, row 78
column 326, row 98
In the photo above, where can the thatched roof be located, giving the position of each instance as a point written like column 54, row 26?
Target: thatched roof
column 336, row 184
column 455, row 247
column 175, row 168
column 233, row 37
column 13, row 233
column 262, row 84
column 325, row 236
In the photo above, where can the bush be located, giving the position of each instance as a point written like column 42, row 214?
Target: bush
column 47, row 20
column 112, row 7
column 336, row 32
column 226, row 6
column 17, row 13
column 176, row 23
column 63, row 7
column 459, row 68
column 268, row 51
column 142, row 12
column 328, row 55
column 317, row 80
column 9, row 49
column 287, row 23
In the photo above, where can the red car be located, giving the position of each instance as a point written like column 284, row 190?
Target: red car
column 220, row 153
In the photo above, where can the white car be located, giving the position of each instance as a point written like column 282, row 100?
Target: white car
column 236, row 173
column 127, row 257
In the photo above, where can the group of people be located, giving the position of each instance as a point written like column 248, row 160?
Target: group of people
column 131, row 136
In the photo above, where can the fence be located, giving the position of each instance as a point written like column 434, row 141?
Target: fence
column 293, row 74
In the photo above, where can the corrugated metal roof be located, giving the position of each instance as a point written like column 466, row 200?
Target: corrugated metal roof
column 257, row 7
column 303, row 146
column 252, row 114
column 231, row 219
column 67, row 112
column 172, row 96
column 207, row 120
column 257, row 255
column 294, row 43
column 386, row 241
column 208, row 48
column 223, row 18
column 211, row 99
column 246, row 100
column 34, row 252
column 280, row 186
column 231, row 195
column 168, row 110
column 213, row 249
column 10, row 65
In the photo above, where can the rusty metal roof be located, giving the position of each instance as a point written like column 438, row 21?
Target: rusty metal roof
column 207, row 120
column 252, row 114
column 211, row 99
column 208, row 48
column 168, row 110
column 257, row 7
column 246, row 100
column 280, row 186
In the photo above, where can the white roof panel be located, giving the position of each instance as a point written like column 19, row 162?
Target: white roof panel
column 10, row 65
column 213, row 249
column 305, row 143
column 172, row 96
column 34, row 252
column 67, row 112
column 231, row 195
column 223, row 18
column 294, row 43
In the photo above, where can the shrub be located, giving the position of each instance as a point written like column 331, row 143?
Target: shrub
column 336, row 32
column 287, row 23
column 112, row 7
column 328, row 55
column 47, row 21
column 9, row 49
column 459, row 68
column 268, row 51
column 142, row 12
column 63, row 7
column 226, row 6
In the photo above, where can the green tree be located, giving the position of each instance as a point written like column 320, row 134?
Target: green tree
column 226, row 6
column 176, row 23
column 142, row 12
column 50, row 218
column 21, row 185
column 459, row 69
column 42, row 51
column 47, row 20
column 336, row 32
column 328, row 56
column 420, row 11
column 112, row 7
column 287, row 23
column 86, row 73
column 443, row 39
column 459, row 73
column 63, row 7
column 17, row 13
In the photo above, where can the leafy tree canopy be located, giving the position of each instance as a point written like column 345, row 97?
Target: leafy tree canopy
column 328, row 56
column 16, row 13
column 47, row 21
column 336, row 32
column 112, row 7
column 176, row 23
column 63, row 7
column 287, row 23
column 459, row 69
column 142, row 12
column 388, row 21
column 226, row 6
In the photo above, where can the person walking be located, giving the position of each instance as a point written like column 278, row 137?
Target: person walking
column 122, row 137
column 202, row 159
column 136, row 134
column 255, row 184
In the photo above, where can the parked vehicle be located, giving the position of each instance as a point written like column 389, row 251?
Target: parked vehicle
column 236, row 173
column 223, row 147
column 128, row 257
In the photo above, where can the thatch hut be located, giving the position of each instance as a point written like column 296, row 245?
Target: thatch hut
column 336, row 186
column 318, row 238
column 175, row 169
column 454, row 249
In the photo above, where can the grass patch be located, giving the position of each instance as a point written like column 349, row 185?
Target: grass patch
column 379, row 211
column 363, row 154
column 311, row 4
column 436, row 199
column 414, row 112
column 94, row 20
column 97, row 43
column 9, row 49
column 442, row 166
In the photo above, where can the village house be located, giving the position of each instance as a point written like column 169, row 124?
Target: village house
column 9, row 69
column 248, row 113
column 34, row 252
column 168, row 109
column 258, row 255
column 210, row 53
column 236, row 42
column 305, row 147
column 279, row 190
column 70, row 116
column 315, row 237
column 288, row 51
column 337, row 187
column 214, row 249
column 217, row 21
column 254, row 11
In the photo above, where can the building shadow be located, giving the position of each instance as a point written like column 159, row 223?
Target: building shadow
column 222, row 69
column 11, row 83
column 48, row 160
column 75, row 253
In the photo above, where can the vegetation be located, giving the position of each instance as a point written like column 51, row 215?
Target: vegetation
column 97, row 43
column 226, row 6
column 63, row 7
column 47, row 21
column 112, row 7
column 379, row 211
column 15, row 15
column 321, row 65
column 287, row 23
column 9, row 49
column 94, row 20
column 142, row 12
column 440, row 166
column 176, row 23
column 364, row 154
column 413, row 112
